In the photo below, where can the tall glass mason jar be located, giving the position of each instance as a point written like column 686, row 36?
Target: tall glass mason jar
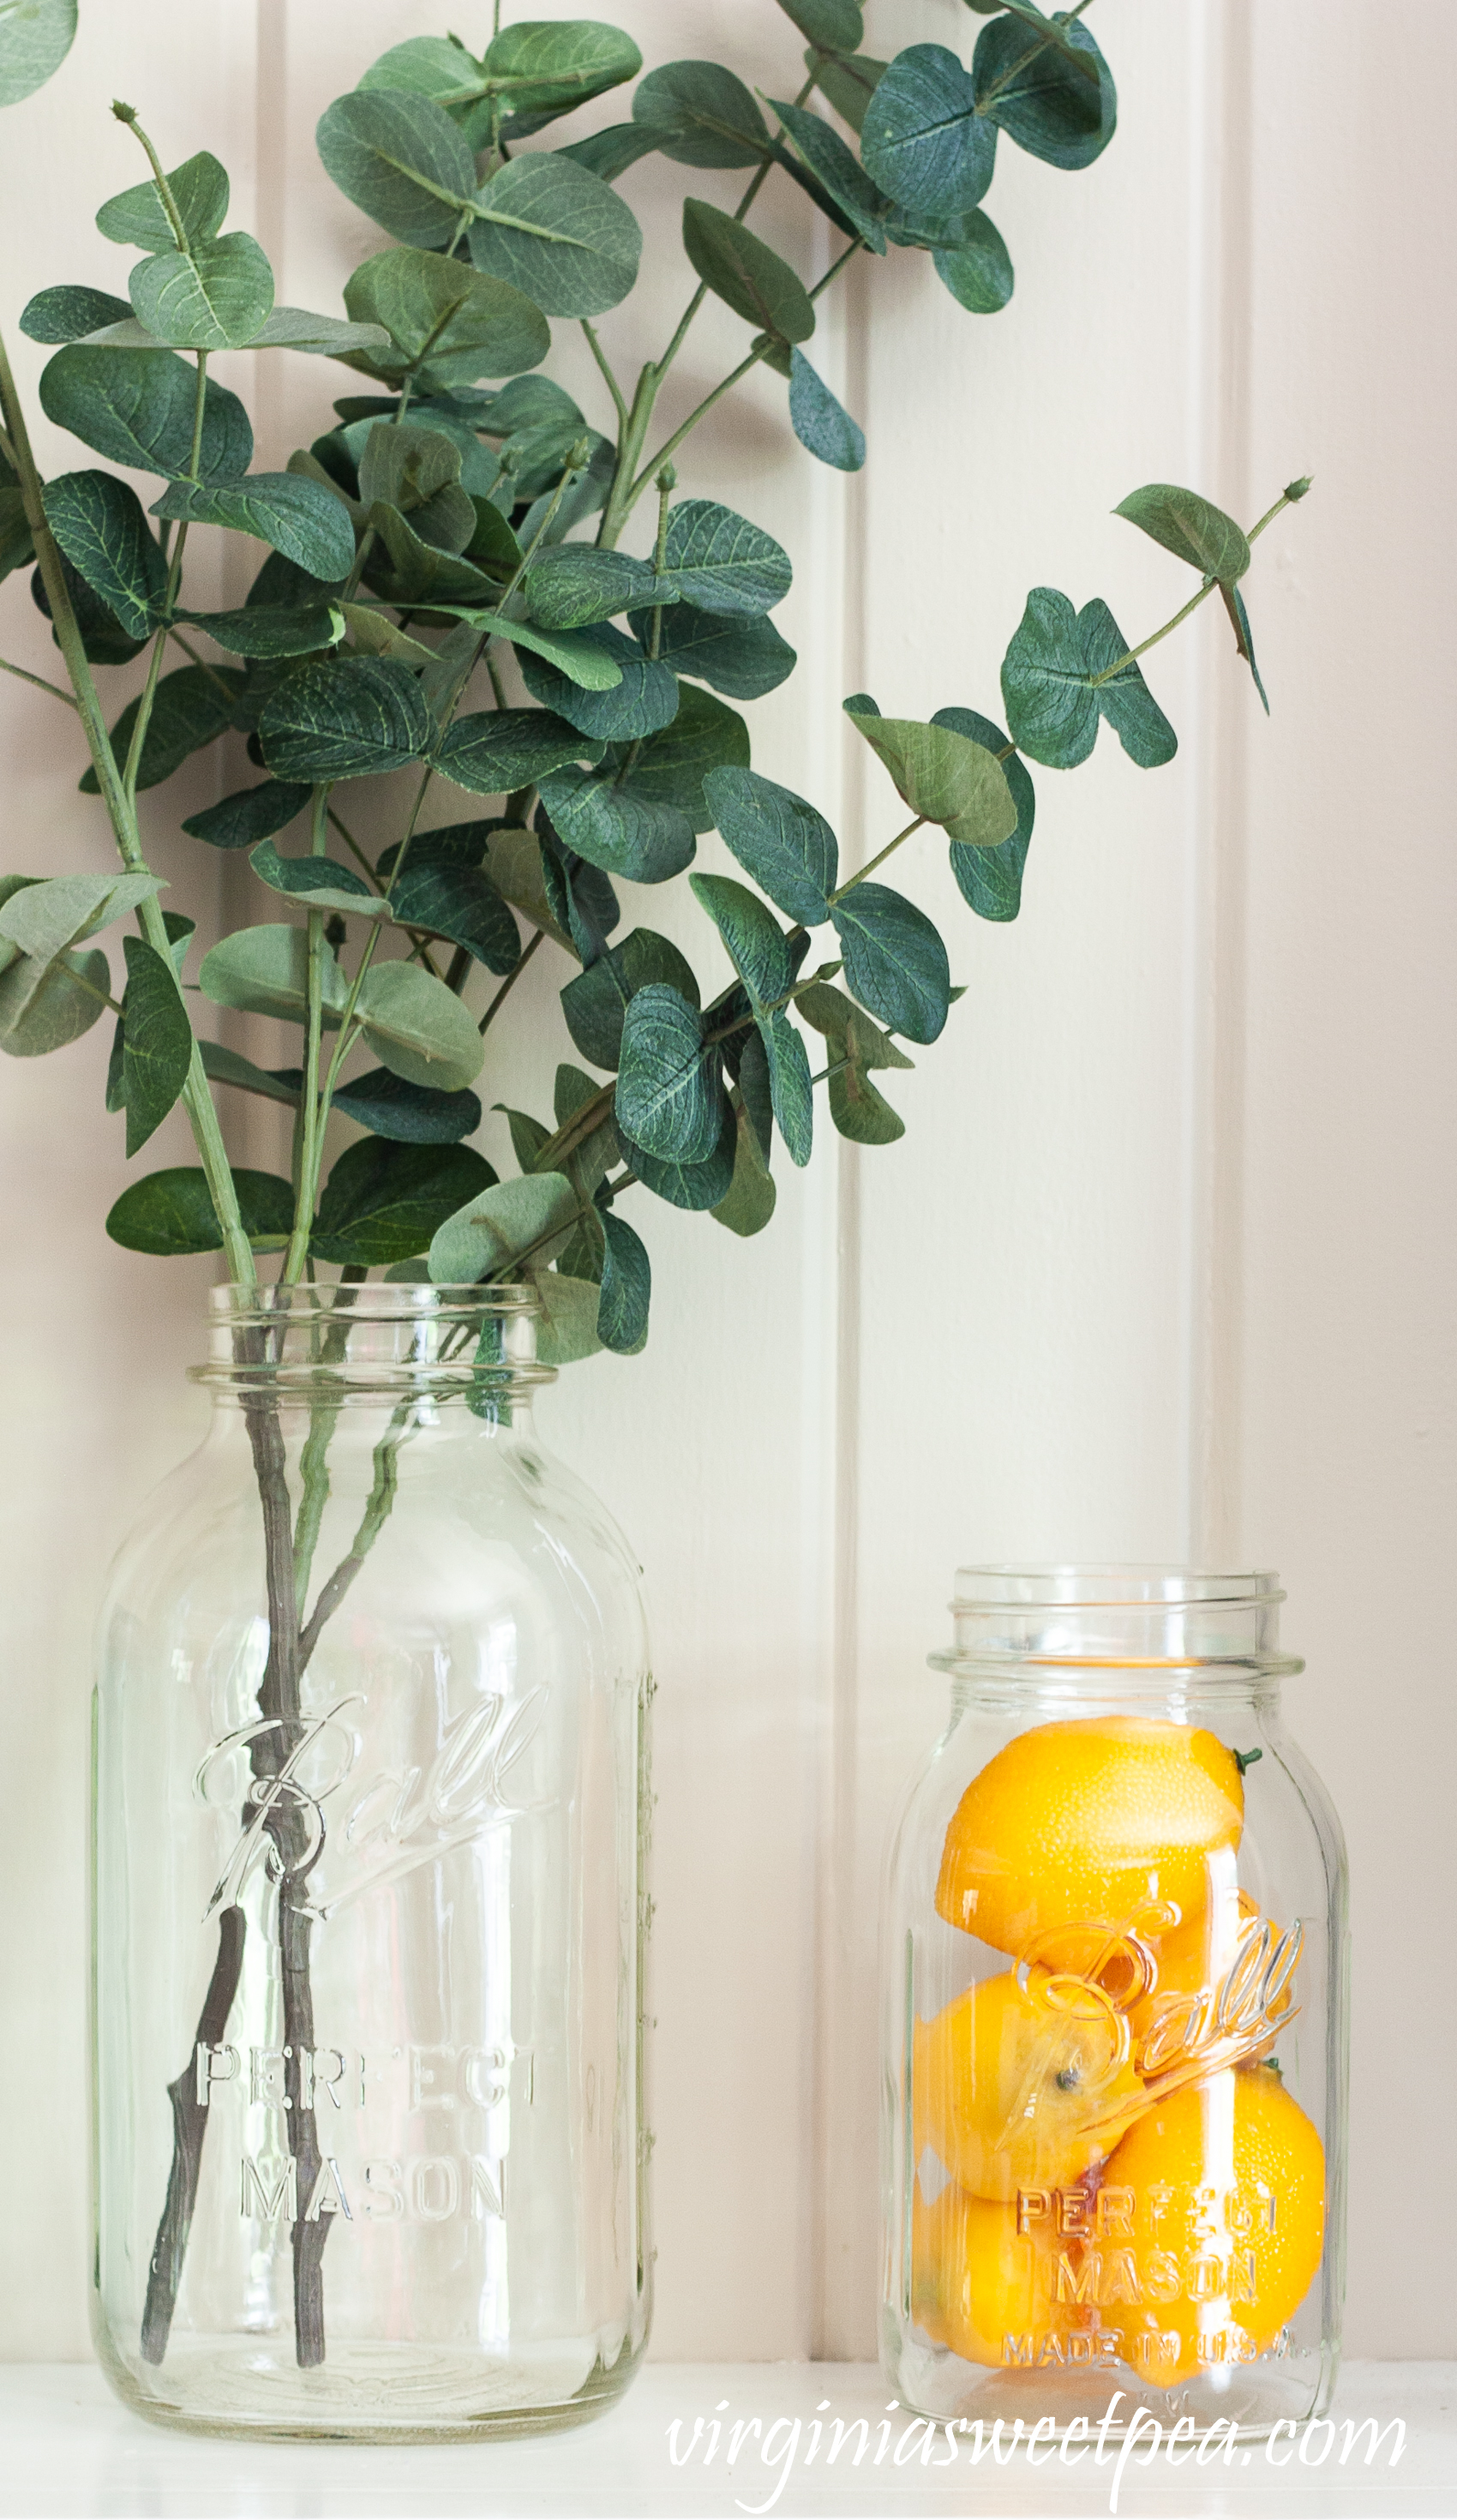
column 371, row 1812
column 1114, row 1991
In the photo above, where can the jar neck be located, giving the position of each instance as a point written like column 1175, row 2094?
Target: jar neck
column 1158, row 1637
column 415, row 1348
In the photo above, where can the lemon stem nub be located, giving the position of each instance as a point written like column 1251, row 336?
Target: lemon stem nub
column 1244, row 1759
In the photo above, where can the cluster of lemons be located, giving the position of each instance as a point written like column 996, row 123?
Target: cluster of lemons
column 1103, row 2151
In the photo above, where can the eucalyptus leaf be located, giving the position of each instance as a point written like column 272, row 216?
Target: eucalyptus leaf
column 1062, row 671
column 136, row 407
column 224, row 1067
column 612, row 829
column 923, row 139
column 157, row 1051
column 582, row 660
column 751, row 936
column 567, row 1325
column 752, row 1195
column 16, row 544
column 411, row 1114
column 694, row 1187
column 701, row 114
column 551, row 67
column 595, row 1003
column 200, row 192
column 170, row 1214
column 838, row 24
column 66, row 313
column 557, row 233
column 352, row 719
column 511, row 1226
column 1245, row 639
column 319, row 882
column 991, row 880
column 384, row 1202
column 895, row 960
column 838, row 169
column 254, row 814
column 668, row 1098
column 190, row 708
column 437, row 66
column 264, row 971
column 977, row 271
column 273, row 629
column 461, row 904
column 644, row 697
column 1056, row 100
column 610, row 153
column 46, row 918
column 670, row 768
column 746, row 273
column 213, row 297
column 819, row 422
column 849, row 85
column 100, row 526
column 296, row 516
column 400, row 158
column 44, row 1007
column 789, row 1084
column 35, row 36
column 626, row 1290
column 418, row 573
column 572, row 586
column 783, row 842
column 1191, row 527
column 720, row 562
column 741, row 655
column 494, row 751
column 465, row 323
column 418, row 1027
column 856, row 1045
column 943, row 776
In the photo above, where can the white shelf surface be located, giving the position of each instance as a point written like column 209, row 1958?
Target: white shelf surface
column 70, row 2452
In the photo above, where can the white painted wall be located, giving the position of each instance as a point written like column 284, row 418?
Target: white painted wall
column 1161, row 1267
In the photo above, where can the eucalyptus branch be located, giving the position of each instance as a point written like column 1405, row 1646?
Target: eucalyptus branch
column 1288, row 499
column 309, row 1149
column 512, row 977
column 23, row 675
column 619, row 399
column 127, row 113
column 879, row 860
column 201, row 661
column 120, row 807
column 174, row 571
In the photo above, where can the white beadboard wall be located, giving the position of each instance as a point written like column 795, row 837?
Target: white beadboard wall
column 1161, row 1267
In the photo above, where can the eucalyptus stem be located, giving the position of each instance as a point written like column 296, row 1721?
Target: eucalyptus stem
column 1287, row 499
column 197, row 1094
column 309, row 1149
column 39, row 682
column 512, row 977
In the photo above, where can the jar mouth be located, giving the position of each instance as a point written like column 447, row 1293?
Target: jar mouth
column 378, row 1338
column 1147, row 1620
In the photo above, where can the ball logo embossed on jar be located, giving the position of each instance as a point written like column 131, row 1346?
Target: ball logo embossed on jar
column 402, row 1819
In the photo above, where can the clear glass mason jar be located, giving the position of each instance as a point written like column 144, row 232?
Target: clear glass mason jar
column 371, row 1813
column 1114, row 1970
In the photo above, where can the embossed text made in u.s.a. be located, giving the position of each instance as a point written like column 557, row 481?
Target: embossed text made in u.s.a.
column 313, row 1804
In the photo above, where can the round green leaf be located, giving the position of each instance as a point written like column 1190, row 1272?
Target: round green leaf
column 626, row 1290
column 399, row 157
column 157, row 1041
column 170, row 1214
column 136, row 408
column 644, row 697
column 895, row 960
column 700, row 114
column 297, row 517
column 667, row 1098
column 838, row 169
column 65, row 313
column 418, row 1027
column 35, row 36
column 264, row 971
column 790, row 1085
column 510, row 1225
column 550, row 67
column 45, row 1006
column 694, row 1187
column 1056, row 100
column 752, row 935
column 414, row 1114
column 557, row 233
column 254, row 814
column 200, row 193
column 923, row 140
column 746, row 273
column 1191, row 527
column 574, row 585
column 612, row 829
column 720, row 562
column 315, row 880
column 818, row 421
column 494, row 751
column 384, row 1202
column 742, row 656
column 991, row 880
column 942, row 775
column 464, row 322
column 100, row 526
column 978, row 272
column 213, row 297
column 352, row 719
column 785, row 845
column 671, row 768
column 461, row 904
column 595, row 1001
column 190, row 708
column 837, row 24
column 848, row 84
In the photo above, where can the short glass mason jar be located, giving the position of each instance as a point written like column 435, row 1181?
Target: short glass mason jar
column 1114, row 1968
column 371, row 1813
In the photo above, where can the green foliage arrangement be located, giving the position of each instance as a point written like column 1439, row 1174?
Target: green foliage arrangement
column 457, row 526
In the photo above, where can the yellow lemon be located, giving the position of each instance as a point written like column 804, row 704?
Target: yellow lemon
column 1225, row 2189
column 1023, row 2081
column 973, row 2281
column 1108, row 1821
